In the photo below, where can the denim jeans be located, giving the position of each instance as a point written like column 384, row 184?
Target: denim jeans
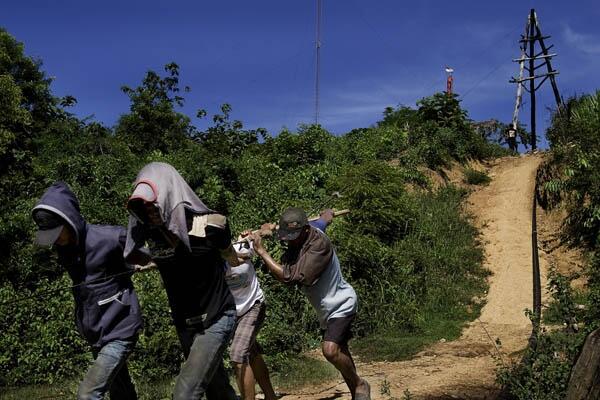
column 203, row 371
column 108, row 373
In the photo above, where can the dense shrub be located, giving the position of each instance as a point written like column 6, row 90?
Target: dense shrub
column 407, row 252
column 573, row 170
column 544, row 371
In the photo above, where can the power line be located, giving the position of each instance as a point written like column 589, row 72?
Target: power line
column 477, row 55
column 485, row 77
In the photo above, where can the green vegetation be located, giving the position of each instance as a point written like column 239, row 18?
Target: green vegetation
column 399, row 345
column 295, row 372
column 569, row 178
column 408, row 250
column 302, row 370
column 474, row 177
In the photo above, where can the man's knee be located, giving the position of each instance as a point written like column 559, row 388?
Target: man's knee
column 87, row 393
column 331, row 350
column 186, row 389
column 183, row 393
column 238, row 367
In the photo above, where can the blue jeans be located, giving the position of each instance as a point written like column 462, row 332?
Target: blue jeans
column 203, row 371
column 108, row 373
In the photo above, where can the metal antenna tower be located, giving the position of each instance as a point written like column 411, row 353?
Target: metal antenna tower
column 318, row 57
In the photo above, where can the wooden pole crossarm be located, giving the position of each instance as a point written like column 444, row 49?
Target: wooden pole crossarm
column 537, row 57
column 273, row 226
column 152, row 265
column 515, row 80
column 534, row 38
column 544, row 51
column 145, row 268
column 542, row 82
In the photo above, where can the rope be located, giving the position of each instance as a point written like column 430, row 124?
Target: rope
column 537, row 290
column 492, row 340
column 48, row 292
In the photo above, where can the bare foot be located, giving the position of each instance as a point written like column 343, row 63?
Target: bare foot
column 363, row 391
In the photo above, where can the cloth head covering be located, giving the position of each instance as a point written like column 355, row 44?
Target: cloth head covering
column 58, row 206
column 172, row 195
column 49, row 225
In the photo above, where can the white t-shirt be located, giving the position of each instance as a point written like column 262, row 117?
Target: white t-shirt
column 242, row 281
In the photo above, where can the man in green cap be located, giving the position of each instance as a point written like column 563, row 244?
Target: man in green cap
column 310, row 262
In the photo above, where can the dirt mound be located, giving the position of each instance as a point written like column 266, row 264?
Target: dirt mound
column 465, row 368
column 564, row 259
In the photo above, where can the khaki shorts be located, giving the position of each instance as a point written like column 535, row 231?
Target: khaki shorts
column 244, row 345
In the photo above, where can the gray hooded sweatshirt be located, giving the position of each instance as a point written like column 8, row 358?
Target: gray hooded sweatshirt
column 192, row 269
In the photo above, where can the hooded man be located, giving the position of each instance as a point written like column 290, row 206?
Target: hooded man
column 107, row 311
column 310, row 261
column 189, row 243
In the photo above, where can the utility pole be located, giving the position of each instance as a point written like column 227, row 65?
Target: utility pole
column 318, row 58
column 533, row 35
column 519, row 100
column 527, row 61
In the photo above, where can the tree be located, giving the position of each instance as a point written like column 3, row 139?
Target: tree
column 27, row 109
column 495, row 131
column 444, row 109
column 27, row 75
column 153, row 123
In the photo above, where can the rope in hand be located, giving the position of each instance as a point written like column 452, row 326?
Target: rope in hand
column 152, row 265
column 48, row 292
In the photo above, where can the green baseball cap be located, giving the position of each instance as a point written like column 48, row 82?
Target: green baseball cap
column 291, row 223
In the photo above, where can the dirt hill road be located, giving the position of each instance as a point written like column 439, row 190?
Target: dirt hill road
column 464, row 369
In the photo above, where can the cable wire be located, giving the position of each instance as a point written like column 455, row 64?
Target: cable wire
column 48, row 292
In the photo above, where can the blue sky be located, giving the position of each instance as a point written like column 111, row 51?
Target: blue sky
column 259, row 55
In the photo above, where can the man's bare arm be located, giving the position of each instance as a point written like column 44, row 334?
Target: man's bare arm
column 230, row 256
column 275, row 268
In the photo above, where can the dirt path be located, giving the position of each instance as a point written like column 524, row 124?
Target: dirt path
column 465, row 368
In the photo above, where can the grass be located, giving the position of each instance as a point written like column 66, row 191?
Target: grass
column 401, row 345
column 303, row 371
column 474, row 177
column 64, row 390
column 157, row 390
column 297, row 372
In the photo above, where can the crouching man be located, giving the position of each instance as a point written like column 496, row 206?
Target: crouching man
column 107, row 311
column 311, row 262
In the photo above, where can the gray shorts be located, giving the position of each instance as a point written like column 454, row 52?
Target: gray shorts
column 244, row 345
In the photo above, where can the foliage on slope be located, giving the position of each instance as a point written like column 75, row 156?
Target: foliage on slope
column 569, row 178
column 408, row 253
